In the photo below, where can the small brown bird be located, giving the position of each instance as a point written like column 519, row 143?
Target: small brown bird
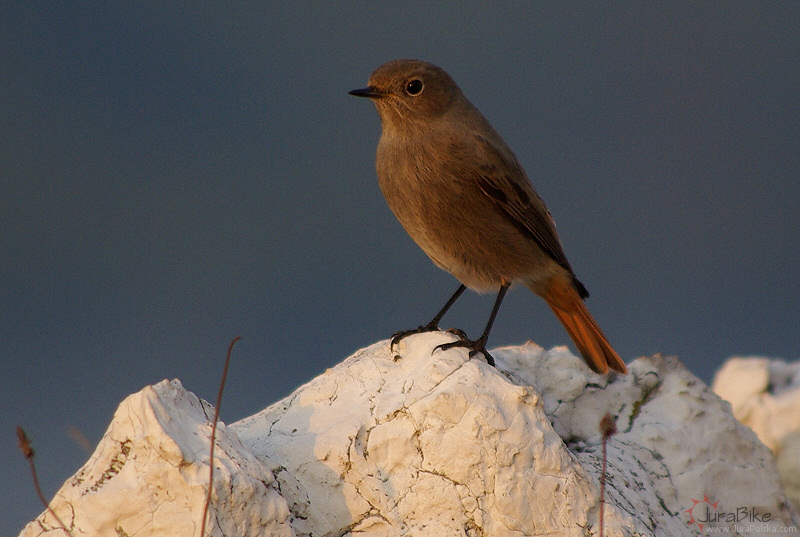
column 460, row 193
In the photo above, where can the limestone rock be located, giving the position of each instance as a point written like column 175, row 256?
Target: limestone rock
column 420, row 443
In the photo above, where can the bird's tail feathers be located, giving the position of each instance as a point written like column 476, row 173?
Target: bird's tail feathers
column 566, row 303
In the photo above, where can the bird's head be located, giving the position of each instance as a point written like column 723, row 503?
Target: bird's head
column 410, row 91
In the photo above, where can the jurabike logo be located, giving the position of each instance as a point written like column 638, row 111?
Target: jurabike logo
column 695, row 503
column 704, row 512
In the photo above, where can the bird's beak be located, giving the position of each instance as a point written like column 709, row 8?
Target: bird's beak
column 370, row 92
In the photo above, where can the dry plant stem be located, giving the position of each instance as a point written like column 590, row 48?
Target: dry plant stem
column 607, row 428
column 214, row 435
column 27, row 451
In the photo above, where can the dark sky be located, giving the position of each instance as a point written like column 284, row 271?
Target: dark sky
column 174, row 176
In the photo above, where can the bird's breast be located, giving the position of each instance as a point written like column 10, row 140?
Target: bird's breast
column 448, row 216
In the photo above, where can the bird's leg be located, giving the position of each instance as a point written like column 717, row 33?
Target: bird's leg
column 431, row 326
column 479, row 345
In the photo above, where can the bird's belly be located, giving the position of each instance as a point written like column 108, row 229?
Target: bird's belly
column 482, row 254
column 455, row 223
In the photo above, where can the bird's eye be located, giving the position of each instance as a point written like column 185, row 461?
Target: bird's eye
column 414, row 87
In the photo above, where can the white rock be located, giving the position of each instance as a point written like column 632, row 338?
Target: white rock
column 765, row 395
column 414, row 444
column 149, row 476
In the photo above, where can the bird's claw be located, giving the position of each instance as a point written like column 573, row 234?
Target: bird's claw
column 475, row 347
column 397, row 336
column 457, row 332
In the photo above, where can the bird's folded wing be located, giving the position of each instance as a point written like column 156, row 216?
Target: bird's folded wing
column 504, row 182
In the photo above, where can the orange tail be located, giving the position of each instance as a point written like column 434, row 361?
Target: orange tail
column 566, row 303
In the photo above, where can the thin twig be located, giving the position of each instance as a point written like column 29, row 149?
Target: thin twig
column 214, row 435
column 607, row 428
column 27, row 451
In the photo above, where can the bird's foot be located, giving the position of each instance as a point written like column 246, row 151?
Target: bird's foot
column 474, row 346
column 397, row 336
column 458, row 332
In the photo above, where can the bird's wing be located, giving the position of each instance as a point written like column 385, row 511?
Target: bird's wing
column 504, row 182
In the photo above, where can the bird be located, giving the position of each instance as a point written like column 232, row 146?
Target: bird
column 460, row 193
